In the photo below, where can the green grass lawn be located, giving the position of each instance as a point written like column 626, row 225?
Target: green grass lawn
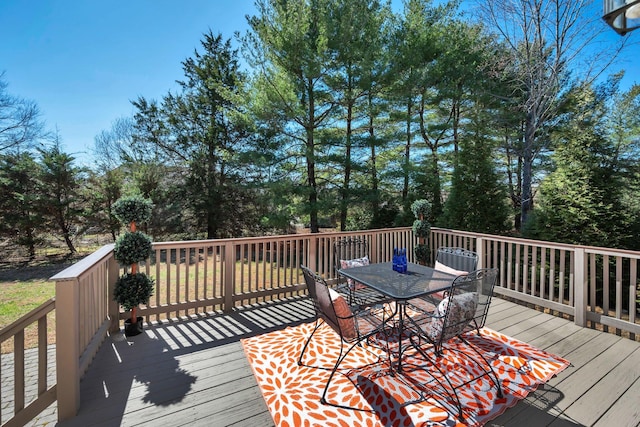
column 18, row 298
column 24, row 288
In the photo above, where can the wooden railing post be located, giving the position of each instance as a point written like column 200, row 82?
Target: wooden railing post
column 68, row 347
column 229, row 275
column 374, row 251
column 313, row 252
column 580, row 288
column 480, row 252
column 113, row 306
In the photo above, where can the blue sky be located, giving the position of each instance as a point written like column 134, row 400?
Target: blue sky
column 83, row 61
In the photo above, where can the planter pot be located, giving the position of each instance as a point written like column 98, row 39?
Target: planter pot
column 133, row 329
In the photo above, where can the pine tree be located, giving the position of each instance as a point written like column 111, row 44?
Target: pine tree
column 478, row 200
column 21, row 201
column 61, row 196
column 581, row 199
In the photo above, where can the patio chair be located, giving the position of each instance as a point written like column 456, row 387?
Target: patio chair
column 462, row 311
column 352, row 326
column 455, row 260
column 354, row 252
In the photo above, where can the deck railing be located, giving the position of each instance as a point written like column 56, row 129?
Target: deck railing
column 596, row 285
column 593, row 285
column 218, row 275
column 84, row 315
column 28, row 399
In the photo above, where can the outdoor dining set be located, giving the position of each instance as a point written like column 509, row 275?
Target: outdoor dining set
column 407, row 317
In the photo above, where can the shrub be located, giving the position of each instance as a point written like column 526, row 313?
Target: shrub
column 132, row 247
column 421, row 228
column 422, row 253
column 133, row 289
column 421, row 207
column 132, row 209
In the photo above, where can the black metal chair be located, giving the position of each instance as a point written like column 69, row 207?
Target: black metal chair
column 353, row 326
column 462, row 310
column 354, row 252
column 455, row 260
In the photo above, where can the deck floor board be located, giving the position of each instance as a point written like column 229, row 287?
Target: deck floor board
column 195, row 372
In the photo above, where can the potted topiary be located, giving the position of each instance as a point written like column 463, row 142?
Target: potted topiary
column 132, row 288
column 422, row 229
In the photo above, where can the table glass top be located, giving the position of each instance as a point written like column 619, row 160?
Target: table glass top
column 419, row 280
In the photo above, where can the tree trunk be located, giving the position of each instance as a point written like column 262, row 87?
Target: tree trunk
column 407, row 152
column 375, row 202
column 344, row 205
column 311, row 163
column 527, row 164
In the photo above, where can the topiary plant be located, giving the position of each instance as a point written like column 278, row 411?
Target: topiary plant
column 134, row 209
column 422, row 253
column 422, row 229
column 132, row 247
column 133, row 289
column 421, row 208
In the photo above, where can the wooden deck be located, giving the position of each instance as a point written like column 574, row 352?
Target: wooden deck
column 195, row 373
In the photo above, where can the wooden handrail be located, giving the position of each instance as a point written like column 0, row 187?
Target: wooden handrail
column 19, row 325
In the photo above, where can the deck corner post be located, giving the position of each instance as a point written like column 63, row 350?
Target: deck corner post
column 229, row 275
column 68, row 347
column 580, row 287
column 113, row 307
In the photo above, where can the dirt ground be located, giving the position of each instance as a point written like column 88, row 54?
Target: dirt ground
column 39, row 269
column 51, row 258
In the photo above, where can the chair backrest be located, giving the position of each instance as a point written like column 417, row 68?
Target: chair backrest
column 329, row 305
column 457, row 258
column 349, row 248
column 466, row 306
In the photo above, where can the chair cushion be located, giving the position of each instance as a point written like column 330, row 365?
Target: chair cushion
column 446, row 269
column 350, row 263
column 346, row 319
column 461, row 312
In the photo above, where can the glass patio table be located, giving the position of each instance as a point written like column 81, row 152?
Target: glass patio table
column 418, row 281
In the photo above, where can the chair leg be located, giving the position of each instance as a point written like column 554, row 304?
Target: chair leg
column 341, row 357
column 304, row 348
column 490, row 373
column 449, row 388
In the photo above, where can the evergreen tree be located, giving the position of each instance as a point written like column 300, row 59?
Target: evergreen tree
column 356, row 39
column 581, row 200
column 477, row 200
column 21, row 201
column 208, row 127
column 288, row 44
column 61, row 201
column 101, row 190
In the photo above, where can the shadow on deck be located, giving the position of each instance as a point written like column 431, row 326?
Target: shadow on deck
column 194, row 372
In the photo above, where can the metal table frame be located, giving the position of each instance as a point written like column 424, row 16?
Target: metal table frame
column 418, row 281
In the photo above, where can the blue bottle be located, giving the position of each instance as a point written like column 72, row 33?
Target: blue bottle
column 396, row 260
column 403, row 260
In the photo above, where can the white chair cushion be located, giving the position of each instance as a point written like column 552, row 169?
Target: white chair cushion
column 350, row 263
column 446, row 269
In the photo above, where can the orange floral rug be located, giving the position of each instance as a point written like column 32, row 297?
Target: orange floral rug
column 380, row 398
